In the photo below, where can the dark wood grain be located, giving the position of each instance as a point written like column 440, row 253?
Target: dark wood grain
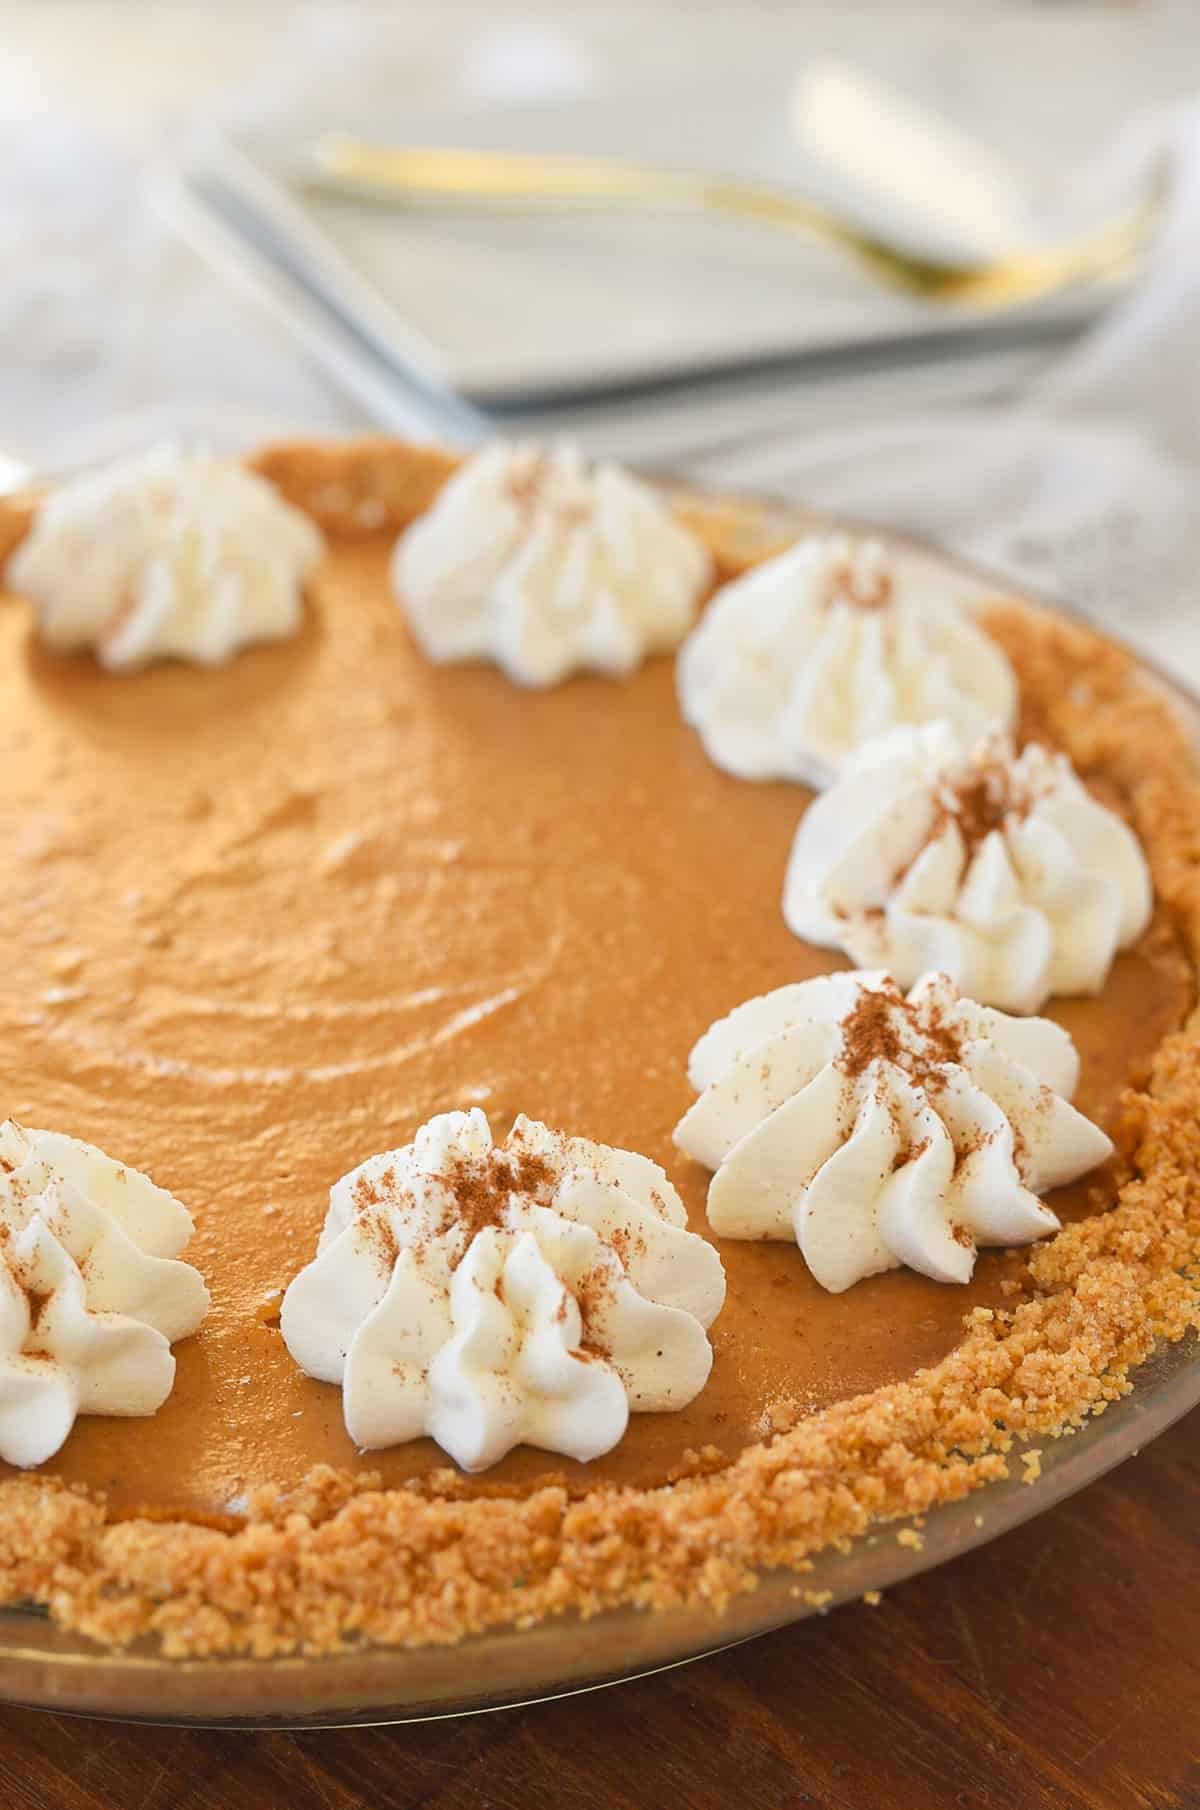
column 1056, row 1669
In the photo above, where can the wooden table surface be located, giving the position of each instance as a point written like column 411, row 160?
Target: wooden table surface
column 1057, row 1668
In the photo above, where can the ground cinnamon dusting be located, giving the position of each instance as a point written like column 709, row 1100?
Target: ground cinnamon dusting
column 336, row 1559
column 481, row 1188
column 874, row 1031
column 594, row 1291
column 527, row 490
column 844, row 586
column 527, row 482
column 370, row 1204
column 38, row 1303
column 478, row 1191
column 984, row 797
column 982, row 801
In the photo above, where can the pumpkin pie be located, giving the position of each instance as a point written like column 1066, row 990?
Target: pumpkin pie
column 263, row 922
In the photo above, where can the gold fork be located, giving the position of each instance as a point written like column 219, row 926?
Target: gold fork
column 348, row 165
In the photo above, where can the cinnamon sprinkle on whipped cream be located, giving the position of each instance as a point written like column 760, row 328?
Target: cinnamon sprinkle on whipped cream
column 91, row 1293
column 534, row 1292
column 998, row 868
column 879, row 1129
column 548, row 566
column 798, row 663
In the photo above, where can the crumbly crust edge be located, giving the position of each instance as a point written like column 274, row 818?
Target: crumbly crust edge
column 338, row 1560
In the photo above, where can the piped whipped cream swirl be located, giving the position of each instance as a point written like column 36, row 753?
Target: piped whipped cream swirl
column 536, row 1292
column 546, row 566
column 91, row 1294
column 999, row 869
column 166, row 556
column 880, row 1130
column 795, row 665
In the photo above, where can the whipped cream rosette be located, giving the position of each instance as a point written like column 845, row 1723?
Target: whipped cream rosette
column 165, row 556
column 537, row 1292
column 91, row 1294
column 998, row 868
column 547, row 566
column 810, row 654
column 878, row 1129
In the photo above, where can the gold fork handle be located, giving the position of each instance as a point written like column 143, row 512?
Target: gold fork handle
column 352, row 165
column 526, row 176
